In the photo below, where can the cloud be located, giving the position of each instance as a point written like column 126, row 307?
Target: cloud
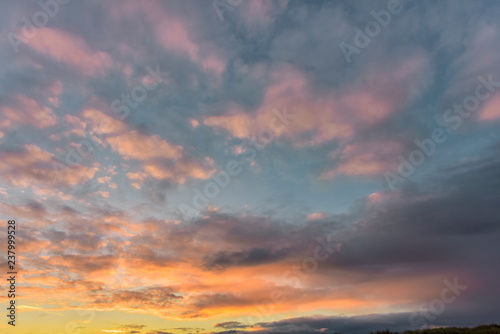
column 134, row 145
column 366, row 158
column 316, row 215
column 70, row 50
column 230, row 325
column 104, row 231
column 162, row 160
column 490, row 111
column 27, row 111
column 319, row 118
column 140, row 299
column 39, row 169
column 133, row 326
column 249, row 257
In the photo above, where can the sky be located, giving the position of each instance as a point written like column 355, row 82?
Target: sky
column 249, row 166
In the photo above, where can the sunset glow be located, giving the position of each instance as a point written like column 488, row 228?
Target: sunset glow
column 261, row 166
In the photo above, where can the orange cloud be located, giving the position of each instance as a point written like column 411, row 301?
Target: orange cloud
column 28, row 111
column 131, row 144
column 102, row 123
column 238, row 124
column 134, row 145
column 38, row 169
column 179, row 172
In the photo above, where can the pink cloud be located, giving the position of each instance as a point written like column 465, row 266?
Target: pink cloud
column 28, row 111
column 366, row 158
column 53, row 92
column 322, row 117
column 71, row 50
column 258, row 15
column 176, row 34
column 316, row 216
column 491, row 111
column 369, row 100
column 289, row 89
